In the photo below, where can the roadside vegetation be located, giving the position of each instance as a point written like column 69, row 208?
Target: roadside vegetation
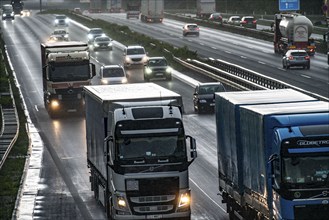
column 12, row 171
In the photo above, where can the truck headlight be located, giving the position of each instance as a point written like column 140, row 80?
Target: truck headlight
column 54, row 104
column 66, row 20
column 56, row 21
column 184, row 200
column 120, row 202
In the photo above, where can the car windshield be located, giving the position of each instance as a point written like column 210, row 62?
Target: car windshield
column 61, row 17
column 192, row 26
column 299, row 54
column 100, row 39
column 210, row 89
column 135, row 51
column 60, row 32
column 249, row 19
column 113, row 72
column 98, row 31
column 159, row 62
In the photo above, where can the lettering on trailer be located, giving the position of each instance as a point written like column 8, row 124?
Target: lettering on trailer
column 316, row 142
column 69, row 58
column 289, row 5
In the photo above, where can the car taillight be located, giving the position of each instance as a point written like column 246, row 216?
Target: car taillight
column 197, row 28
column 307, row 57
column 244, row 22
column 254, row 22
column 290, row 57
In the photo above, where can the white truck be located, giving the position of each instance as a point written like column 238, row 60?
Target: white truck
column 152, row 10
column 137, row 151
column 66, row 68
column 205, row 8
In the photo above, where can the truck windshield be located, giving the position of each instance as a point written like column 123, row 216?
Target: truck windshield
column 306, row 170
column 69, row 72
column 151, row 147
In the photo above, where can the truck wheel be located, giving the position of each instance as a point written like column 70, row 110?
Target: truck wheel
column 169, row 78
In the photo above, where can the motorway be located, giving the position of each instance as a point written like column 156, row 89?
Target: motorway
column 63, row 187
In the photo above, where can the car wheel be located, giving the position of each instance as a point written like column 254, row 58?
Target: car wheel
column 308, row 66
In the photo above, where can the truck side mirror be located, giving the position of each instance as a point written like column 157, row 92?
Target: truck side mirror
column 192, row 143
column 93, row 70
column 107, row 151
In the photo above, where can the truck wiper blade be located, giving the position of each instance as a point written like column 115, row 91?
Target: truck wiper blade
column 324, row 193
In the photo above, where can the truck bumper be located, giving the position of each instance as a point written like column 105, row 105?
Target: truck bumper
column 177, row 216
column 63, row 104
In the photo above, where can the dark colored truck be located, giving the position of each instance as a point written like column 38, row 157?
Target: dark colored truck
column 18, row 6
column 137, row 151
column 66, row 68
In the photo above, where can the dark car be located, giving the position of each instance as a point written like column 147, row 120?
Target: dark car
column 296, row 58
column 157, row 67
column 216, row 17
column 102, row 43
column 93, row 33
column 204, row 96
column 248, row 21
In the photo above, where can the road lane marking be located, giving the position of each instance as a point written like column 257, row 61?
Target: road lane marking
column 308, row 77
column 207, row 195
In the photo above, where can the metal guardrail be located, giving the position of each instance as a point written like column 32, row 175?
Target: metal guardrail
column 239, row 77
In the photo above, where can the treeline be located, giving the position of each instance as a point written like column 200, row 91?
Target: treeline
column 310, row 7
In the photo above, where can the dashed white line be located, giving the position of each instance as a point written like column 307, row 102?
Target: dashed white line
column 226, row 51
column 260, row 62
column 243, row 57
column 36, row 108
column 214, row 48
column 308, row 77
column 202, row 44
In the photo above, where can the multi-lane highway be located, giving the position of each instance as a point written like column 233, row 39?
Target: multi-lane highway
column 63, row 187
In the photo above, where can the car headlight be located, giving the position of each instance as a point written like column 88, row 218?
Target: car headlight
column 110, row 44
column 128, row 59
column 66, row 36
column 124, row 80
column 96, row 44
column 144, row 59
column 103, row 35
column 168, row 70
column 148, row 70
column 104, row 82
column 90, row 36
column 203, row 101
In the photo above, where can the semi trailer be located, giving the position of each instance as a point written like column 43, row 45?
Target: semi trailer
column 138, row 152
column 152, row 11
column 262, row 140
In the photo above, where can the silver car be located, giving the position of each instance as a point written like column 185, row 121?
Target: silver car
column 234, row 20
column 112, row 74
column 296, row 58
column 134, row 55
column 61, row 33
column 191, row 29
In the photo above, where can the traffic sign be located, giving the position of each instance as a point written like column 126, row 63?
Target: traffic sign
column 289, row 5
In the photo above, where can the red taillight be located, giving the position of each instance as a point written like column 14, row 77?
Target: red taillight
column 307, row 57
column 244, row 22
column 254, row 22
column 197, row 28
column 290, row 57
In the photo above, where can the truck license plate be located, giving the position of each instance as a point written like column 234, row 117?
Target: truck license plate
column 153, row 216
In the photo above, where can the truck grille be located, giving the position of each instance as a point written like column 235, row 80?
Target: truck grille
column 136, row 59
column 306, row 212
column 153, row 196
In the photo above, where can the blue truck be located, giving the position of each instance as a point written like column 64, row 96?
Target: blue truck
column 262, row 137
